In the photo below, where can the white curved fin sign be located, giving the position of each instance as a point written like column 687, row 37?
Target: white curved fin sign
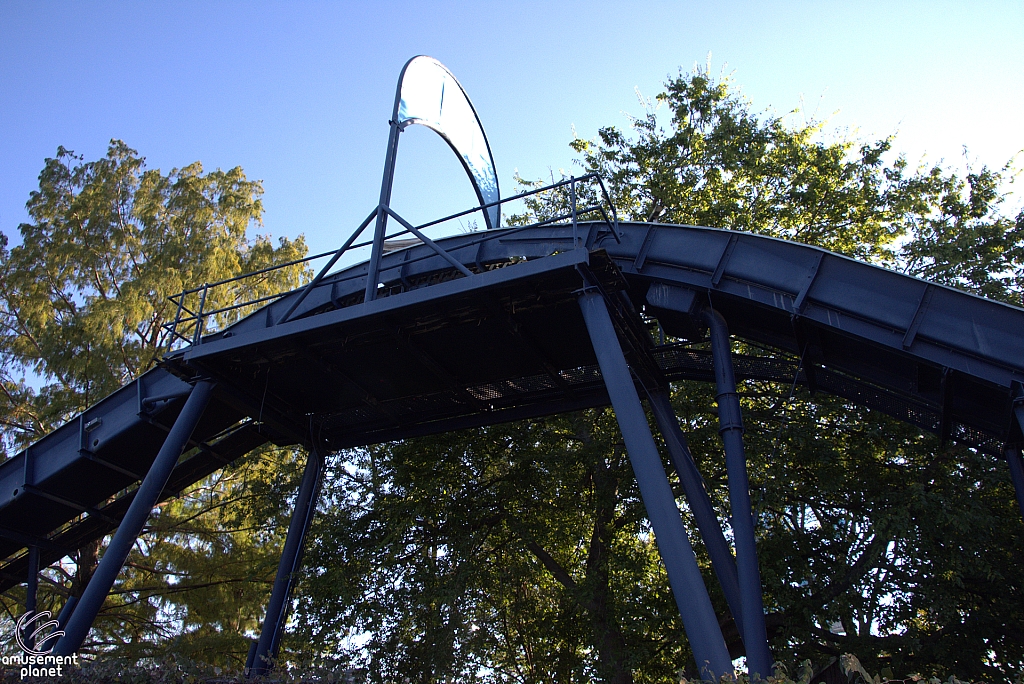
column 429, row 95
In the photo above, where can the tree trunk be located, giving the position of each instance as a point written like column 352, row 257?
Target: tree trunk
column 85, row 565
column 611, row 645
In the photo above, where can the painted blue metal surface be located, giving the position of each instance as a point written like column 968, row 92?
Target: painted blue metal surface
column 73, row 473
column 437, row 350
column 699, row 619
column 855, row 320
column 760, row 663
column 291, row 558
column 700, row 504
column 148, row 494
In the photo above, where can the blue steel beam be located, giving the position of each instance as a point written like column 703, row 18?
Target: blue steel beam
column 861, row 304
column 885, row 328
column 208, row 459
column 380, row 229
column 700, row 503
column 134, row 520
column 291, row 558
column 688, row 588
column 755, row 636
column 114, row 420
column 1013, row 454
column 869, row 303
column 246, row 336
column 1016, row 463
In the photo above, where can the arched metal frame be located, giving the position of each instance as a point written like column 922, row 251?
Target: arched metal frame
column 399, row 120
column 451, row 130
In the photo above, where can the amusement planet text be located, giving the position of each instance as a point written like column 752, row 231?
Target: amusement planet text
column 40, row 665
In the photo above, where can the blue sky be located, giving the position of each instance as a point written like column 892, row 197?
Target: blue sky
column 299, row 93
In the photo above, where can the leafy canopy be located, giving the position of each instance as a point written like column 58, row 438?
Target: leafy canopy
column 84, row 297
column 520, row 553
column 83, row 302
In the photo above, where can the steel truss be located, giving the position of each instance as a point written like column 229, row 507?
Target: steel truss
column 490, row 327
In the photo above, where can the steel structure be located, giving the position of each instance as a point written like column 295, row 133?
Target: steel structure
column 365, row 355
column 513, row 324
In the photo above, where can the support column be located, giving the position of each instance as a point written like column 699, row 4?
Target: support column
column 31, row 586
column 1013, row 455
column 755, row 635
column 684, row 576
column 291, row 557
column 700, row 503
column 377, row 250
column 65, row 612
column 1016, row 463
column 128, row 531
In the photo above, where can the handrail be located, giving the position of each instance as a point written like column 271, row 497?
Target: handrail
column 198, row 321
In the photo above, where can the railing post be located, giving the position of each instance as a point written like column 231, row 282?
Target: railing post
column 684, row 576
column 198, row 334
column 730, row 417
column 134, row 520
column 572, row 199
column 177, row 319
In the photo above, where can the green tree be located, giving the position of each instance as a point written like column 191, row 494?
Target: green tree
column 865, row 501
column 83, row 302
column 522, row 549
column 521, row 553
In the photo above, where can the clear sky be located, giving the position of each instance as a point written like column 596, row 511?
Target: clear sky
column 299, row 93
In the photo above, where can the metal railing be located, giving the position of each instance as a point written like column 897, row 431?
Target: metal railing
column 193, row 320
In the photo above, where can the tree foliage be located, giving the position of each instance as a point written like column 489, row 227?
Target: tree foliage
column 521, row 553
column 522, row 550
column 84, row 297
column 83, row 302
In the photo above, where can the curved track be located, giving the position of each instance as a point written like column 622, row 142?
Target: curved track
column 438, row 351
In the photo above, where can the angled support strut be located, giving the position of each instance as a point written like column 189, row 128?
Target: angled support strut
column 755, row 635
column 291, row 557
column 380, row 230
column 691, row 595
column 128, row 531
column 700, row 503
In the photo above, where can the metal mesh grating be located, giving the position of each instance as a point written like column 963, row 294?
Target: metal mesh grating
column 908, row 411
column 360, row 415
column 504, row 388
column 427, row 403
column 581, row 375
column 677, row 363
column 699, row 363
column 672, row 358
column 970, row 436
column 765, row 368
